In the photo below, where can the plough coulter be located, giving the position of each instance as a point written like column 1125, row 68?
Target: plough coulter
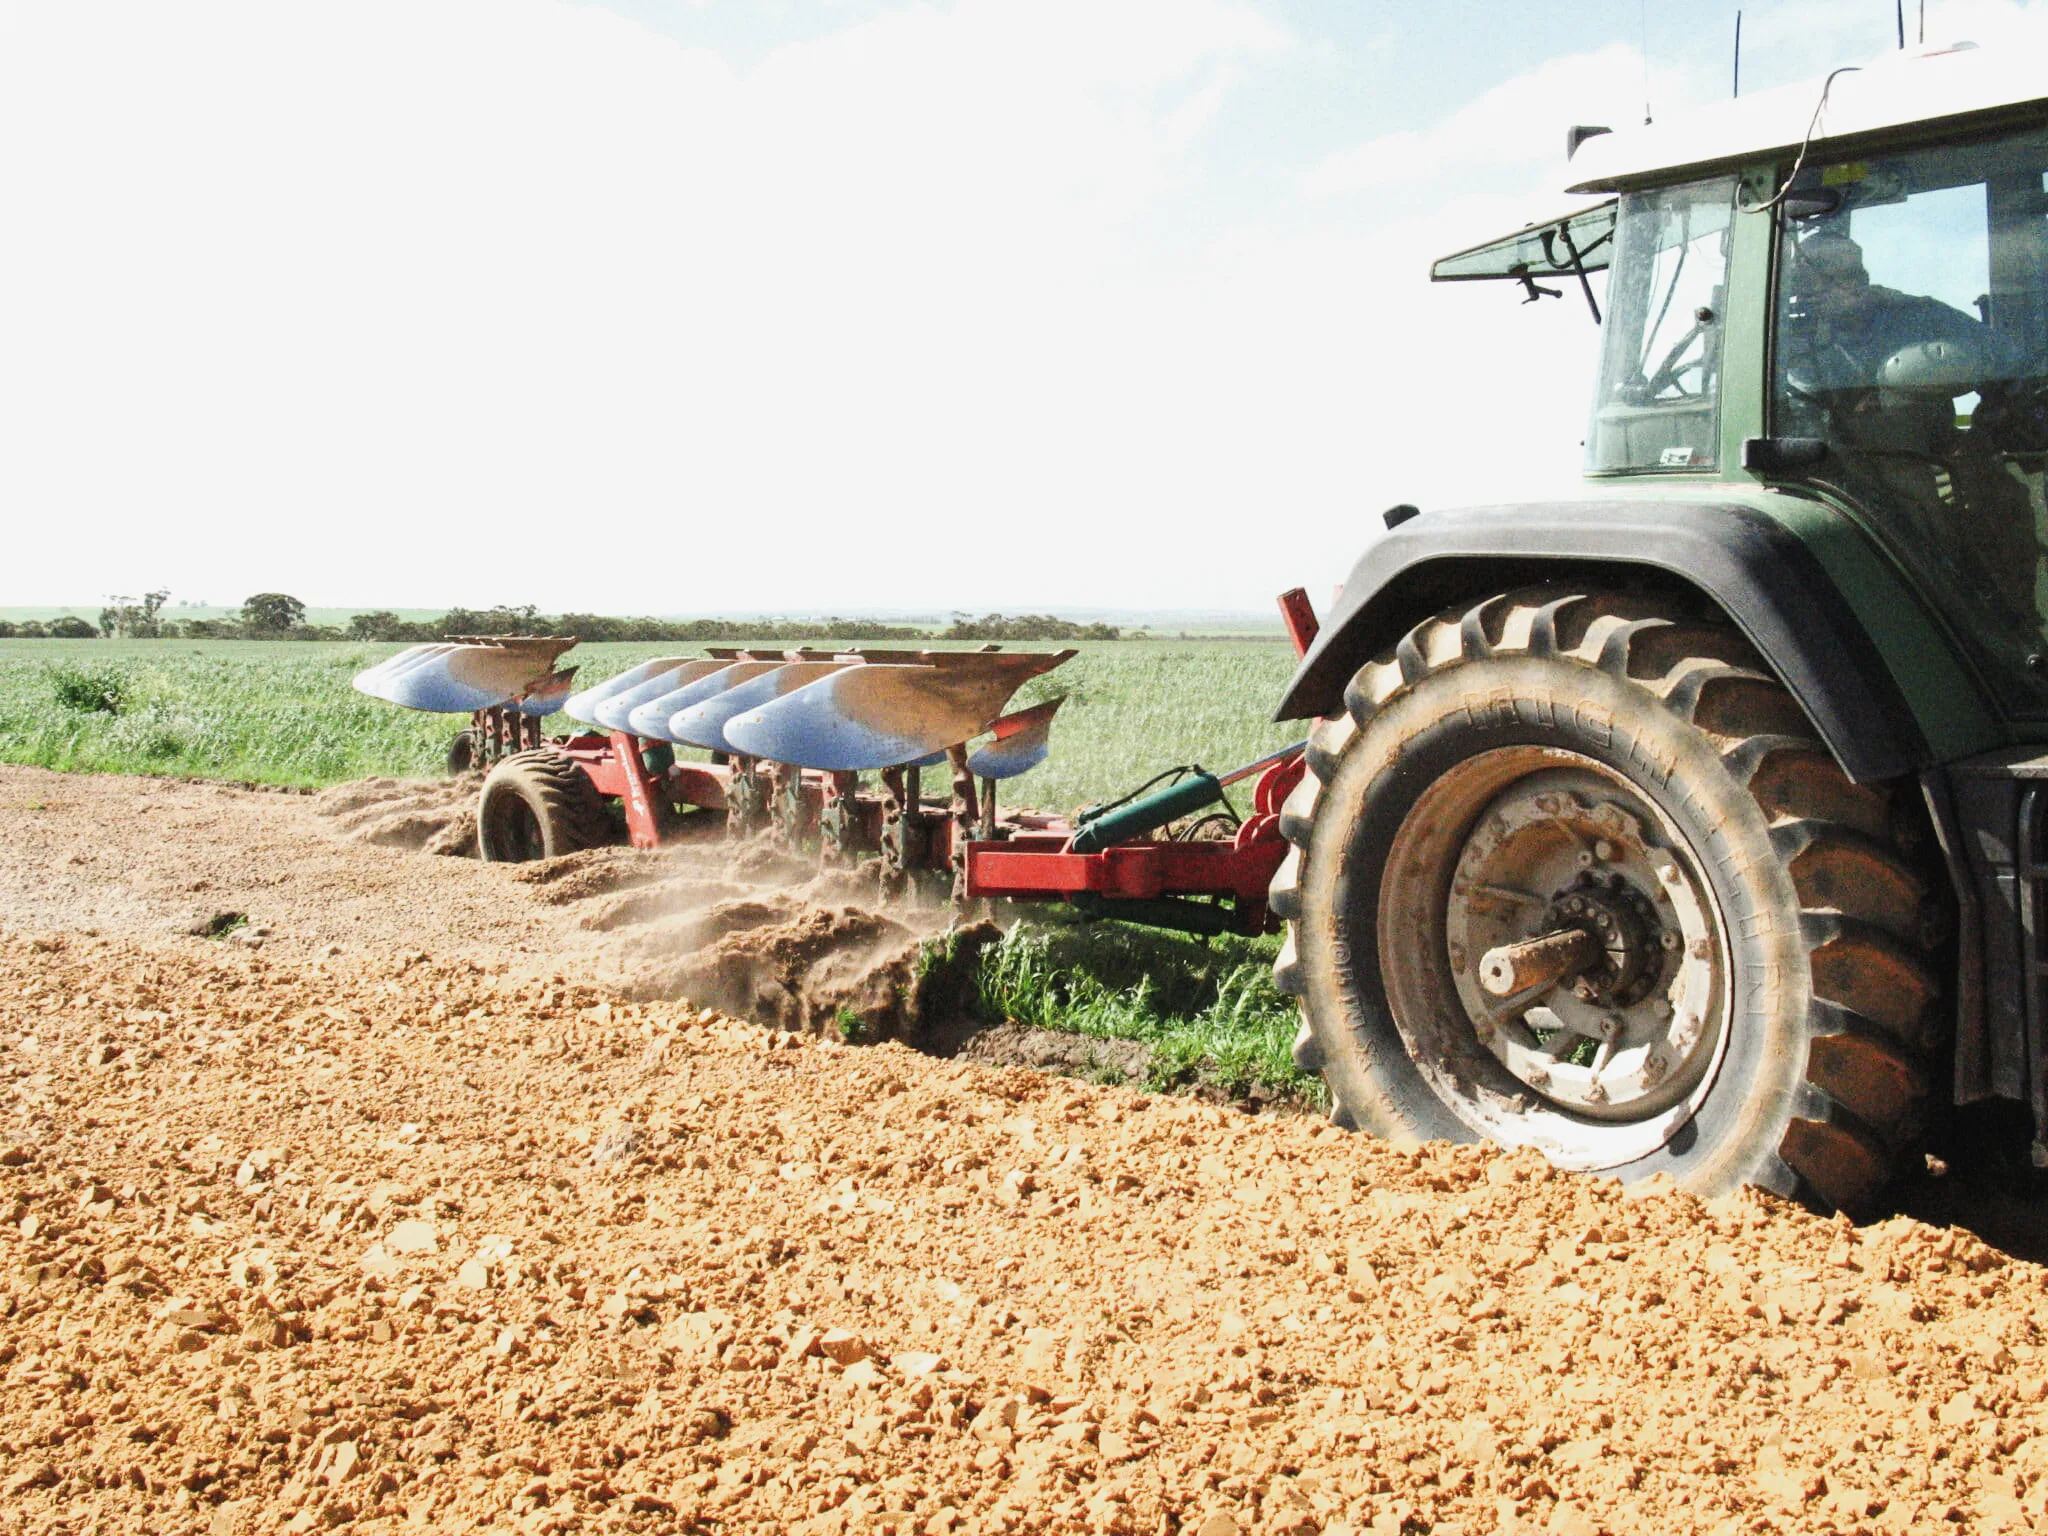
column 828, row 752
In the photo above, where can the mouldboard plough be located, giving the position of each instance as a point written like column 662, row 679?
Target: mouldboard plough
column 828, row 752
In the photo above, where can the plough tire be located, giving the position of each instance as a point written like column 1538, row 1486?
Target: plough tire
column 462, row 752
column 538, row 805
column 1793, row 1012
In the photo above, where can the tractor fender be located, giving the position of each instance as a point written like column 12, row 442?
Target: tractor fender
column 1761, row 576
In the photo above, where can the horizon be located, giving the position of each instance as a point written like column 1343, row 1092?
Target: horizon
column 16, row 612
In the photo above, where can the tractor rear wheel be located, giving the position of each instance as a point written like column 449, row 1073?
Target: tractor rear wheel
column 1573, row 872
column 538, row 805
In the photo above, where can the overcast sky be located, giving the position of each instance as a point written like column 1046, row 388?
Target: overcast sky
column 700, row 305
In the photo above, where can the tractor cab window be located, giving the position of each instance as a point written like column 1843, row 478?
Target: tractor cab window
column 1912, row 335
column 1657, row 405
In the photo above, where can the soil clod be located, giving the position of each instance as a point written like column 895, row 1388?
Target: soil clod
column 434, row 1213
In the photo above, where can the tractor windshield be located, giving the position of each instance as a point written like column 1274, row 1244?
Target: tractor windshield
column 1657, row 406
column 1912, row 335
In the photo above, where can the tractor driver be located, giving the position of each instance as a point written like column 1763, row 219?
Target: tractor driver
column 1853, row 325
column 1896, row 425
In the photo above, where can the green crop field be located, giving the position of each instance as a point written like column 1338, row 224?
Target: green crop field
column 284, row 713
column 279, row 713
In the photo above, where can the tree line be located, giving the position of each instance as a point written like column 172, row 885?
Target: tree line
column 280, row 616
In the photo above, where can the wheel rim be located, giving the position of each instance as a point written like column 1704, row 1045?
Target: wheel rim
column 515, row 832
column 1597, row 1066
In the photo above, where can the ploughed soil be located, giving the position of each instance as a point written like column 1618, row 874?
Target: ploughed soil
column 427, row 1196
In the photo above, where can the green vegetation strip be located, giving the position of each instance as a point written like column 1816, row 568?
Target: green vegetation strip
column 1207, row 1011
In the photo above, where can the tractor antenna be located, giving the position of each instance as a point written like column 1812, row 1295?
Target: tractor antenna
column 1643, row 17
column 1900, row 7
column 1923, row 22
column 1737, row 90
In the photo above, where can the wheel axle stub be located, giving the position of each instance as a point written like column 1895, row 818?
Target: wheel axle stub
column 1542, row 961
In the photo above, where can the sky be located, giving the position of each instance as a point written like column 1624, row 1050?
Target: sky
column 696, row 306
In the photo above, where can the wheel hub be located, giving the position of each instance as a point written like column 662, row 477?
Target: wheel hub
column 1625, row 924
column 1581, row 941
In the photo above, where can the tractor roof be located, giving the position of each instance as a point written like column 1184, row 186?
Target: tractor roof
column 1902, row 90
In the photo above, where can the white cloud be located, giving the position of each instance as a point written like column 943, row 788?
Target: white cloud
column 481, row 300
column 496, row 291
column 1520, row 123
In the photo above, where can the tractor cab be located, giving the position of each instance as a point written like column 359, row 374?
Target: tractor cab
column 1910, row 314
column 1841, row 289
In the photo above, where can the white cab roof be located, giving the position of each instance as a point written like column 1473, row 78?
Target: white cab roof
column 1904, row 88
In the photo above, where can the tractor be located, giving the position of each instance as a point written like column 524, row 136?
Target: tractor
column 1694, row 825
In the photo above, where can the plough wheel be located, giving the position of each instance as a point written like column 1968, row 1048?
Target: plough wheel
column 538, row 805
column 1572, row 872
column 462, row 752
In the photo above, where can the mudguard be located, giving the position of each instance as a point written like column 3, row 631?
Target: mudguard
column 1767, row 582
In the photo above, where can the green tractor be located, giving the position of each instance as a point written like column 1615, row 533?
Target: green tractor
column 1698, row 825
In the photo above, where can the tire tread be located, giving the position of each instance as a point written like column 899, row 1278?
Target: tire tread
column 1874, row 1023
column 560, row 794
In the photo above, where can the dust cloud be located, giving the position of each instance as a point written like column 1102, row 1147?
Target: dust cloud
column 749, row 930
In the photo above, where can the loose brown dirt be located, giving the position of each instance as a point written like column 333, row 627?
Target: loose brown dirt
column 427, row 817
column 396, row 1217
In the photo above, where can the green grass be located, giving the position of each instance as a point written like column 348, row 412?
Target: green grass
column 208, row 709
column 88, row 689
column 1208, row 1010
column 278, row 713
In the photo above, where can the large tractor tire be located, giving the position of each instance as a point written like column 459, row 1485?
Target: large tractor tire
column 1732, row 985
column 538, row 805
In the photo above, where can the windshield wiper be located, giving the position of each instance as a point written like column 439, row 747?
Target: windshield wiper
column 1578, row 261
